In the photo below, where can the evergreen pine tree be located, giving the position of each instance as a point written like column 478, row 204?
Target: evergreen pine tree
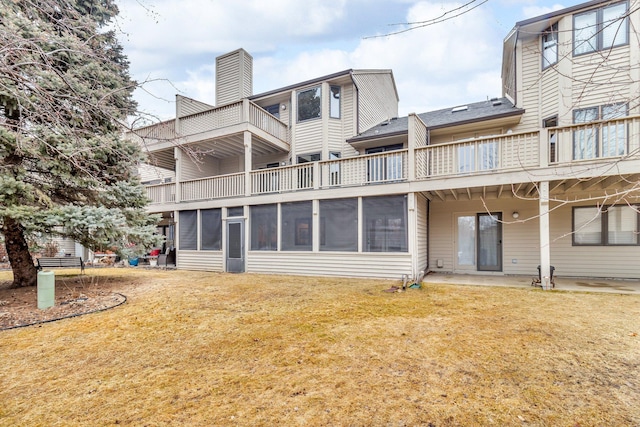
column 65, row 169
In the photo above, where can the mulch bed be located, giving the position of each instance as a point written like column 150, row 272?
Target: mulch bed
column 73, row 297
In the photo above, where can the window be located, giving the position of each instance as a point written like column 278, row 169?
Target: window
column 210, row 229
column 612, row 225
column 274, row 110
column 385, row 168
column 334, row 170
column 487, row 157
column 552, row 122
column 339, row 225
column 600, row 140
column 235, row 211
column 308, row 158
column 550, row 46
column 614, row 139
column 305, row 174
column 309, row 104
column 385, row 224
column 188, row 225
column 264, row 228
column 334, row 105
column 585, row 139
column 297, row 230
column 600, row 29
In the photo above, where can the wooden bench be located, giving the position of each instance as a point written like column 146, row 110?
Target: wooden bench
column 61, row 262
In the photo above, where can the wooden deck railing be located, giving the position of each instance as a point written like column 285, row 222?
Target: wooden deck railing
column 369, row 169
column 596, row 140
column 283, row 179
column 265, row 121
column 163, row 131
column 161, row 193
column 215, row 187
column 511, row 151
column 615, row 138
column 215, row 118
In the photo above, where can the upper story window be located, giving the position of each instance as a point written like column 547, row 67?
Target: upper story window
column 274, row 110
column 309, row 104
column 550, row 46
column 601, row 28
column 334, row 103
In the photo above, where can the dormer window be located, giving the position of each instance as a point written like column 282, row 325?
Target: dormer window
column 550, row 46
column 601, row 29
column 309, row 104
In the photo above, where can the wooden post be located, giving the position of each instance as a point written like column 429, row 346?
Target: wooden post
column 247, row 163
column 545, row 250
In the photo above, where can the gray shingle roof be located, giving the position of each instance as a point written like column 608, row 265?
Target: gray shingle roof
column 475, row 112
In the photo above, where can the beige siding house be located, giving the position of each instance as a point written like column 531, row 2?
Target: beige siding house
column 323, row 177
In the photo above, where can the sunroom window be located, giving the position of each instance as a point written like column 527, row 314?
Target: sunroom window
column 339, row 225
column 297, row 229
column 188, row 226
column 264, row 228
column 385, row 224
column 210, row 229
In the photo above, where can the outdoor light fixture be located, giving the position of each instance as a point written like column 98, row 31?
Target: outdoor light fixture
column 515, row 214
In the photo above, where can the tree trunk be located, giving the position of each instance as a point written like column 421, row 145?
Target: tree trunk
column 24, row 272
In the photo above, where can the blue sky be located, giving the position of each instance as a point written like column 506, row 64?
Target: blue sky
column 172, row 44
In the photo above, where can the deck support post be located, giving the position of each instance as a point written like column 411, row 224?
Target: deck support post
column 545, row 249
column 247, row 163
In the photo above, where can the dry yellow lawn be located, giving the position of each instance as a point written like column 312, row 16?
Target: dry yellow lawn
column 215, row 349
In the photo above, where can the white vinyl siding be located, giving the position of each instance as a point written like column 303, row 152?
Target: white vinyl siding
column 234, row 77
column 199, row 260
column 597, row 81
column 588, row 261
column 550, row 83
column 520, row 242
column 189, row 169
column 338, row 264
column 308, row 137
column 529, row 95
column 421, row 233
column 377, row 98
column 231, row 165
column 186, row 106
column 149, row 173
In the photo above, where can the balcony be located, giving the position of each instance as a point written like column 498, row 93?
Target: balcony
column 219, row 132
column 540, row 154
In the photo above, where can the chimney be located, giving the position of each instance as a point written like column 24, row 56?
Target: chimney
column 234, row 76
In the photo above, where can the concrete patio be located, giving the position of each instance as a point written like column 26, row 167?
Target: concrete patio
column 581, row 284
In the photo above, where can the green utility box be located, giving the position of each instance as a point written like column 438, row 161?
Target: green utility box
column 46, row 289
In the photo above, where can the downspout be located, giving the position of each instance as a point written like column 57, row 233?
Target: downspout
column 355, row 85
column 426, row 270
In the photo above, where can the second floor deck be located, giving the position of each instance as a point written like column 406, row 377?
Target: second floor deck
column 576, row 151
